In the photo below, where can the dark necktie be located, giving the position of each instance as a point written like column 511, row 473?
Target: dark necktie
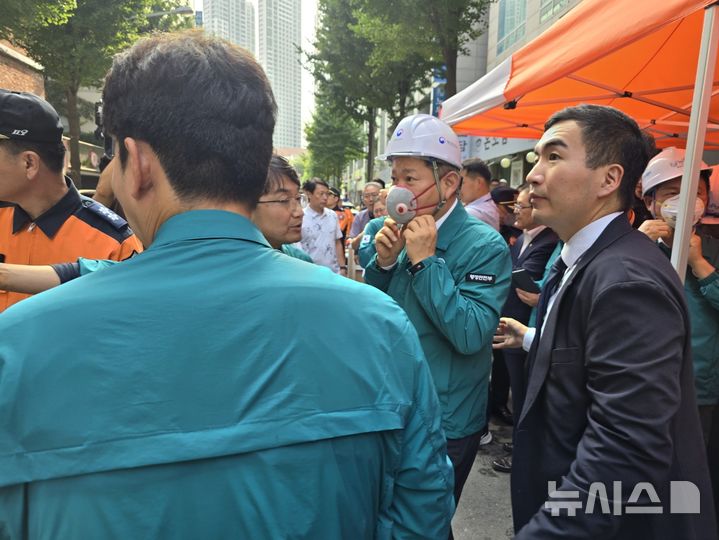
column 556, row 273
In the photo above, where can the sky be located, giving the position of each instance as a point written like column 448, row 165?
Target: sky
column 309, row 13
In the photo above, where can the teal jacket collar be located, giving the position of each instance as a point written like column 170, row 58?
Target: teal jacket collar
column 207, row 225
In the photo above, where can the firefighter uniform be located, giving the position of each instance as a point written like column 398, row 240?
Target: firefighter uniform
column 74, row 227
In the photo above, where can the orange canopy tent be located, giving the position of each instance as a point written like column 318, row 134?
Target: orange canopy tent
column 653, row 59
column 637, row 55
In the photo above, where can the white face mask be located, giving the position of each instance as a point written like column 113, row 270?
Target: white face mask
column 402, row 204
column 670, row 210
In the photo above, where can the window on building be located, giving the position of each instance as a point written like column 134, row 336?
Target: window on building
column 549, row 8
column 512, row 17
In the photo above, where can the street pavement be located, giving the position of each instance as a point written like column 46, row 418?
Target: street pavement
column 484, row 511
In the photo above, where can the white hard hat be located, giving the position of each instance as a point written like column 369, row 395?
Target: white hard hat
column 666, row 165
column 424, row 136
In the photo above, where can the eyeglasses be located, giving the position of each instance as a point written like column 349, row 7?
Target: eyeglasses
column 301, row 200
column 519, row 207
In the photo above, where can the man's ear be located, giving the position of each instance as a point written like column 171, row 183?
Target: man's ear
column 612, row 179
column 139, row 166
column 451, row 182
column 31, row 163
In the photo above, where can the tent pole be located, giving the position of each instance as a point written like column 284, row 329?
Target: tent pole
column 695, row 139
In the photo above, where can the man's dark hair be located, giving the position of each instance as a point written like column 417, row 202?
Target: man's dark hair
column 51, row 154
column 204, row 106
column 380, row 182
column 279, row 168
column 609, row 136
column 311, row 185
column 475, row 167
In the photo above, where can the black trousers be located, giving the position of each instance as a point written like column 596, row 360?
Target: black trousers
column 461, row 453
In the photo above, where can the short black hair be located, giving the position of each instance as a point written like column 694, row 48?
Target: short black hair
column 380, row 182
column 204, row 106
column 279, row 168
column 609, row 136
column 476, row 167
column 311, row 185
column 51, row 154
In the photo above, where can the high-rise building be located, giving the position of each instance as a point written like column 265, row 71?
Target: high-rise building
column 273, row 34
column 233, row 20
column 279, row 35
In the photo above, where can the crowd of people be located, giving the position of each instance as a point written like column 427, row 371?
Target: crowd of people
column 205, row 369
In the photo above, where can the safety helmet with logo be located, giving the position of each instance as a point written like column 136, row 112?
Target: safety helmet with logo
column 424, row 136
column 666, row 165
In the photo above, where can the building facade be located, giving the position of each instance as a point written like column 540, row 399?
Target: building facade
column 233, row 20
column 271, row 30
column 19, row 72
column 279, row 24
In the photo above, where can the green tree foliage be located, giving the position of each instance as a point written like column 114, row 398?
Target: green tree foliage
column 333, row 140
column 438, row 31
column 33, row 12
column 357, row 81
column 76, row 49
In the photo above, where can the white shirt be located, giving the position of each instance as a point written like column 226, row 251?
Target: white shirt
column 572, row 251
column 320, row 232
column 529, row 236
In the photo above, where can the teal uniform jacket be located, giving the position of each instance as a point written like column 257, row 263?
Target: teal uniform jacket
column 703, row 303
column 88, row 266
column 296, row 252
column 366, row 248
column 454, row 303
column 196, row 391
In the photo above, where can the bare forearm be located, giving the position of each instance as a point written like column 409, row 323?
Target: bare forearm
column 341, row 259
column 27, row 279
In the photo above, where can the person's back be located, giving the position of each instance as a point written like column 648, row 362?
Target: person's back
column 251, row 426
column 196, row 391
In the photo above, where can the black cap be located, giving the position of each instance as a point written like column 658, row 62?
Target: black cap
column 27, row 117
column 335, row 191
column 503, row 194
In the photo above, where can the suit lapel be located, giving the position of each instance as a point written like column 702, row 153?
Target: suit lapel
column 542, row 351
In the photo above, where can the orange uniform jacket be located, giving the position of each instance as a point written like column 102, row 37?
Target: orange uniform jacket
column 75, row 227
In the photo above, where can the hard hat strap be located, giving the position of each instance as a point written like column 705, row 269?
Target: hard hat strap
column 442, row 200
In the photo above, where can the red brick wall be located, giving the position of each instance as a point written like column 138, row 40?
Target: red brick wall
column 15, row 75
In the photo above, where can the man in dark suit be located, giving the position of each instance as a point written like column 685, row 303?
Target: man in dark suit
column 608, row 443
column 531, row 252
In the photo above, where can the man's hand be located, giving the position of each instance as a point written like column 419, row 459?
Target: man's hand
column 656, row 229
column 389, row 241
column 421, row 237
column 701, row 268
column 531, row 299
column 509, row 334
